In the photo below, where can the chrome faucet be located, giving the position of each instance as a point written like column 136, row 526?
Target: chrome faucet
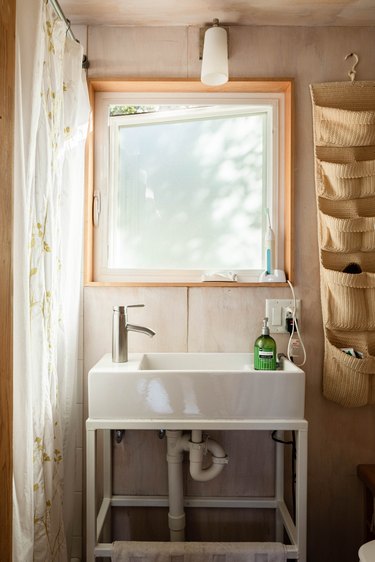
column 120, row 329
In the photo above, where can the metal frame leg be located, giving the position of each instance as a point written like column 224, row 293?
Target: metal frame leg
column 301, row 493
column 279, row 485
column 90, row 494
column 107, row 482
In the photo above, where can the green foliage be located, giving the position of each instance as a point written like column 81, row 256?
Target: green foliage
column 116, row 110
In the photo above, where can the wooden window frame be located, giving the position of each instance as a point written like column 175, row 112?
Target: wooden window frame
column 7, row 89
column 282, row 85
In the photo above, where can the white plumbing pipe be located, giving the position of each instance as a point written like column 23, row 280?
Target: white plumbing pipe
column 197, row 449
column 176, row 444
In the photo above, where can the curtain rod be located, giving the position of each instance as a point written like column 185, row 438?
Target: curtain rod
column 56, row 6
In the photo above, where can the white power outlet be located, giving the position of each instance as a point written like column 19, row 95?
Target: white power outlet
column 277, row 312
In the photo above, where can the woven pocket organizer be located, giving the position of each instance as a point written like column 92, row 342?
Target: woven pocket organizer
column 339, row 181
column 348, row 380
column 341, row 127
column 348, row 300
column 344, row 143
column 338, row 261
column 347, row 234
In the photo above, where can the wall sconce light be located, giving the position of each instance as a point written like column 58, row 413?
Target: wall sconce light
column 214, row 43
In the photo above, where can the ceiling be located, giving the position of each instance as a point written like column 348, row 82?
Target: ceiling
column 231, row 12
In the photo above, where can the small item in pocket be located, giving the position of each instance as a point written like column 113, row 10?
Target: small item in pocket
column 351, row 351
column 352, row 268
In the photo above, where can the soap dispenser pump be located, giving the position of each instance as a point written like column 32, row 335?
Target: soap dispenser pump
column 265, row 350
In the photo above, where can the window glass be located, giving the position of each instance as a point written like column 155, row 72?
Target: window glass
column 188, row 187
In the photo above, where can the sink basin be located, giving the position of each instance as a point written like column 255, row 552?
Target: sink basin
column 196, row 362
column 196, row 386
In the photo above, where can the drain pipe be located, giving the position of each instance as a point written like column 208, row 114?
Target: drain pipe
column 198, row 448
column 177, row 443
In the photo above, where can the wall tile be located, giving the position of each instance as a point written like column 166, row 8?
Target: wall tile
column 76, row 549
column 80, row 338
column 78, row 470
column 79, row 382
column 77, row 522
column 79, row 417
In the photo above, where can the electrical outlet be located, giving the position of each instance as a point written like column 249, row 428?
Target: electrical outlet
column 277, row 312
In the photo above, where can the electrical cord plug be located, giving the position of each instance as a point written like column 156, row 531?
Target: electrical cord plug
column 290, row 320
column 289, row 324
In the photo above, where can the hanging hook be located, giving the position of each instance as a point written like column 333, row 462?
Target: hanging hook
column 68, row 27
column 353, row 71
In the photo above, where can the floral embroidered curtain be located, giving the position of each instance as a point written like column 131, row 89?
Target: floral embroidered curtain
column 51, row 125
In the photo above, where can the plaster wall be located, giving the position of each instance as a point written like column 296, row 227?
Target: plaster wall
column 229, row 319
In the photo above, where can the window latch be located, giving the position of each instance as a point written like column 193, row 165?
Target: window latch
column 96, row 207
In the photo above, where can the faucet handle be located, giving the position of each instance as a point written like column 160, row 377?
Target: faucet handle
column 131, row 306
column 124, row 309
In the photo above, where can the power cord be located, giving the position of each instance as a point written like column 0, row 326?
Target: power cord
column 295, row 328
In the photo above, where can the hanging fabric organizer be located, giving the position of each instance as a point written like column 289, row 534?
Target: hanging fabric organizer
column 344, row 143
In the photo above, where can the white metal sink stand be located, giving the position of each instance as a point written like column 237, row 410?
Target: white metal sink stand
column 96, row 520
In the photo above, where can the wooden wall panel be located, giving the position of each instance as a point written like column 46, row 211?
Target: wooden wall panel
column 112, row 51
column 7, row 48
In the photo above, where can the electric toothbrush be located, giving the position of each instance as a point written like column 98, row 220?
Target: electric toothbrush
column 270, row 247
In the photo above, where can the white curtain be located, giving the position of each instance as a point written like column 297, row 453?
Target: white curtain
column 51, row 125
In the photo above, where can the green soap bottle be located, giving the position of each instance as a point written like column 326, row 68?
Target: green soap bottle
column 265, row 350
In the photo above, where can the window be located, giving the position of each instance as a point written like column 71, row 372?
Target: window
column 183, row 182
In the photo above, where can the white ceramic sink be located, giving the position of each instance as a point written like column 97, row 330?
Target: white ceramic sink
column 198, row 386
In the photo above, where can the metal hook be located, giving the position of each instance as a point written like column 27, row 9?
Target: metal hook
column 119, row 434
column 68, row 26
column 205, row 438
column 353, row 71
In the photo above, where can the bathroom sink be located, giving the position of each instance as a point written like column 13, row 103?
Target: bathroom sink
column 194, row 386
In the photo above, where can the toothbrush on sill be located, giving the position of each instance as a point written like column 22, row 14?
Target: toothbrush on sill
column 270, row 247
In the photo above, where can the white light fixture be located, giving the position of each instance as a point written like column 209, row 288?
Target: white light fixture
column 215, row 56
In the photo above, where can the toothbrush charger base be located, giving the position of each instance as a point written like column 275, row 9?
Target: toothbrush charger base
column 278, row 276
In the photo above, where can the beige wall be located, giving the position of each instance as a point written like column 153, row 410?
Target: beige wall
column 229, row 319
